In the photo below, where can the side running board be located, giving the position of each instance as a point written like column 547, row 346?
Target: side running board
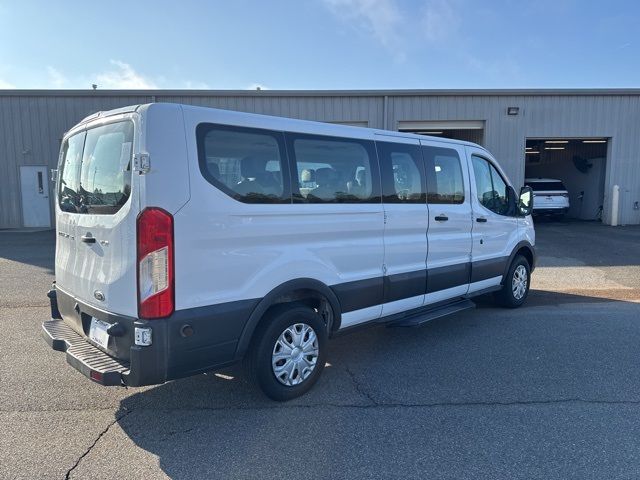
column 420, row 318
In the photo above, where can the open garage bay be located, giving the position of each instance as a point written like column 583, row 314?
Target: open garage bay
column 579, row 164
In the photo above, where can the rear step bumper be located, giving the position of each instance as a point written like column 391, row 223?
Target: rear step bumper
column 83, row 356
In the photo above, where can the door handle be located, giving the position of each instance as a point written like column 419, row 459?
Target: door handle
column 481, row 220
column 88, row 238
column 441, row 218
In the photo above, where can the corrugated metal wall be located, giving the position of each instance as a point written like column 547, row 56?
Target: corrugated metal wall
column 31, row 128
column 31, row 125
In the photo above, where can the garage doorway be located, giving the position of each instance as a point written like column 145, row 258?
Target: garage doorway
column 579, row 163
column 466, row 130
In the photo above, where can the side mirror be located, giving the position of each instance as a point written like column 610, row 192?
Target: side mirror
column 525, row 204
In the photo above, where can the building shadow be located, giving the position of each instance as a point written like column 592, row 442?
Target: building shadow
column 571, row 243
column 539, row 298
column 35, row 248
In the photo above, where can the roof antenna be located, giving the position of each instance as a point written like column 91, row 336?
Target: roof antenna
column 94, row 86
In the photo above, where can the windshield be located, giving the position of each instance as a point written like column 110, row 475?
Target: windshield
column 95, row 171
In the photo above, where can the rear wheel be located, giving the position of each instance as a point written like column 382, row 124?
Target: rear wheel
column 516, row 284
column 289, row 351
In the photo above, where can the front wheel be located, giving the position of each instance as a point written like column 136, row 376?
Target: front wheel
column 516, row 284
column 289, row 351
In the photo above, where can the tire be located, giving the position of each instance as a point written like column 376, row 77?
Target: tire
column 507, row 297
column 298, row 373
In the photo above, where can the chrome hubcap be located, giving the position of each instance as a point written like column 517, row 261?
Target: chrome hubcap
column 295, row 354
column 519, row 282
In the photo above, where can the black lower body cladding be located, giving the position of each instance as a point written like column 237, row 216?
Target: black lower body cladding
column 214, row 341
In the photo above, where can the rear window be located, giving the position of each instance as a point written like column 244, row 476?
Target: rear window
column 546, row 186
column 95, row 171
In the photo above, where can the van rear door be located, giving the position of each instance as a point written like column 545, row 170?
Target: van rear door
column 96, row 212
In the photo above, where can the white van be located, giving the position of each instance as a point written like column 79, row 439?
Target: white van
column 189, row 238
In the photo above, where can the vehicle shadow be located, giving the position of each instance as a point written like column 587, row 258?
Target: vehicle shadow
column 217, row 425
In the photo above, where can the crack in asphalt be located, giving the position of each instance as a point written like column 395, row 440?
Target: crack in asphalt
column 358, row 386
column 102, row 433
column 15, row 307
column 56, row 410
column 370, row 406
column 381, row 405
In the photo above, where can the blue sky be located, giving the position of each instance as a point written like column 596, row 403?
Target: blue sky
column 319, row 44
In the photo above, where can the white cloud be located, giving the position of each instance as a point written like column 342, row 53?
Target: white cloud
column 56, row 78
column 381, row 18
column 196, row 85
column 123, row 76
column 118, row 75
column 440, row 20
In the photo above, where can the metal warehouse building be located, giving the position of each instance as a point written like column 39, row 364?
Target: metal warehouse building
column 590, row 139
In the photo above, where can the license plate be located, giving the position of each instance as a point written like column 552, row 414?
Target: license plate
column 98, row 332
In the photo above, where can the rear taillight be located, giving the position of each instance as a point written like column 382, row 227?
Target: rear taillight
column 155, row 263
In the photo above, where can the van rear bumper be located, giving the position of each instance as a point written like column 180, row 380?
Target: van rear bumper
column 186, row 343
column 84, row 357
column 550, row 210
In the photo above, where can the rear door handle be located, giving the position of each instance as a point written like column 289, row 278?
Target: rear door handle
column 441, row 218
column 88, row 238
column 481, row 220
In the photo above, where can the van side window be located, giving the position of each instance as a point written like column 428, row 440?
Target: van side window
column 403, row 177
column 444, row 175
column 247, row 164
column 334, row 170
column 490, row 186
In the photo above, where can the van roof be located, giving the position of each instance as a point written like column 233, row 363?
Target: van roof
column 283, row 123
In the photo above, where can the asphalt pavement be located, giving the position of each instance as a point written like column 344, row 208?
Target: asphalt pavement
column 551, row 390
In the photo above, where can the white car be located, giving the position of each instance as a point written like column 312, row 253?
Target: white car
column 550, row 196
column 189, row 238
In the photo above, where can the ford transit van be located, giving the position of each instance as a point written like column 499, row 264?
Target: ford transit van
column 191, row 238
